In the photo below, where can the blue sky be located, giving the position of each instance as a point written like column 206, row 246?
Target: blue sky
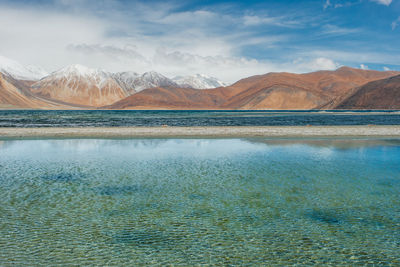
column 226, row 39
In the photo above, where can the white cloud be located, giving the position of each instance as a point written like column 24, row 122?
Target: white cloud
column 331, row 29
column 107, row 50
column 256, row 20
column 324, row 64
column 53, row 39
column 363, row 67
column 143, row 37
column 327, row 4
column 354, row 56
column 338, row 4
column 39, row 37
column 234, row 68
column 150, row 38
column 395, row 23
column 193, row 17
column 287, row 22
column 319, row 63
column 383, row 2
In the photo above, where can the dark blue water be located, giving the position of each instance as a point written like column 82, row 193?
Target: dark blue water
column 108, row 118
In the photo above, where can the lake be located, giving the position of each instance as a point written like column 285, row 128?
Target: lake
column 126, row 118
column 200, row 201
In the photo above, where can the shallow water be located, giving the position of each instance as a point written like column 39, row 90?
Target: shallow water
column 121, row 118
column 214, row 201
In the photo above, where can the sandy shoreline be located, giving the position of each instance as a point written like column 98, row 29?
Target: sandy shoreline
column 210, row 132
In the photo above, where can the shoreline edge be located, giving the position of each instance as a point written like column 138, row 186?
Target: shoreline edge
column 204, row 131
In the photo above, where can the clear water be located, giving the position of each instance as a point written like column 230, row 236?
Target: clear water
column 108, row 118
column 200, row 201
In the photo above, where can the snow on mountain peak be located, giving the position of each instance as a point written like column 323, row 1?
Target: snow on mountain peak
column 77, row 68
column 130, row 82
column 73, row 74
column 19, row 71
column 126, row 79
column 153, row 74
column 151, row 79
column 126, row 75
column 80, row 70
column 198, row 81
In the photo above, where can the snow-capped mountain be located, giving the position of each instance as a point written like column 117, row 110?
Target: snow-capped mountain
column 83, row 86
column 80, row 85
column 19, row 71
column 95, row 77
column 151, row 79
column 133, row 82
column 126, row 80
column 129, row 81
column 198, row 81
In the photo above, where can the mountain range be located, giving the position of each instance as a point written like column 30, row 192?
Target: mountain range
column 80, row 87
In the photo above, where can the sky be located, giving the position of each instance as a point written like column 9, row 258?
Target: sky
column 229, row 40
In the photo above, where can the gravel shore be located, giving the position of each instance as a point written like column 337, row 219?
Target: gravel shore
column 210, row 132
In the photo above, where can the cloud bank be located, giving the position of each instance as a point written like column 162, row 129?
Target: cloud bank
column 383, row 2
column 169, row 38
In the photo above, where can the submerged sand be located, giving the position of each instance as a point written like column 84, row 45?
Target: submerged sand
column 217, row 132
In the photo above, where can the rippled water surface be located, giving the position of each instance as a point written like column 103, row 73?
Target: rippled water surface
column 120, row 118
column 186, row 202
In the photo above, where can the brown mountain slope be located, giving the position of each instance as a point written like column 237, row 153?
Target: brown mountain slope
column 269, row 91
column 298, row 91
column 16, row 94
column 86, row 88
column 79, row 93
column 381, row 94
column 81, row 86
column 172, row 98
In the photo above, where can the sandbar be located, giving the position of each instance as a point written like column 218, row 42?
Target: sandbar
column 205, row 132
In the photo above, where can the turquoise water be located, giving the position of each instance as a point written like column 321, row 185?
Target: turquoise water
column 199, row 201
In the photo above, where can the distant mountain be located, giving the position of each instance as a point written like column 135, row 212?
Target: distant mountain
column 17, row 94
column 381, row 94
column 86, row 87
column 152, row 79
column 93, row 87
column 133, row 82
column 172, row 98
column 298, row 91
column 198, row 81
column 80, row 85
column 126, row 80
column 19, row 71
column 269, row 91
